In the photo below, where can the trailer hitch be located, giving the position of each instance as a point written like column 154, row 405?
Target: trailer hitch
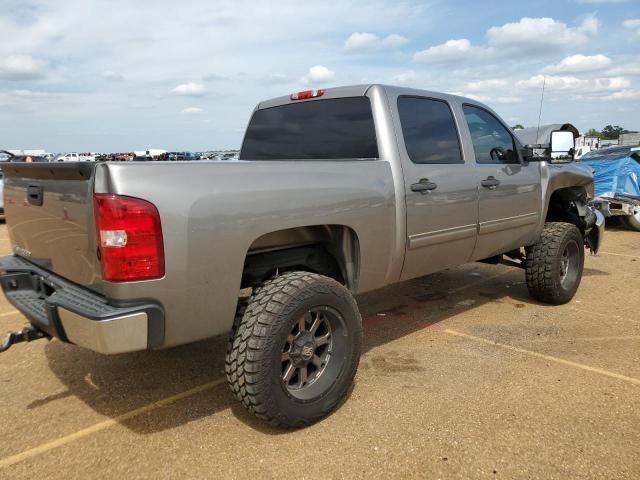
column 28, row 334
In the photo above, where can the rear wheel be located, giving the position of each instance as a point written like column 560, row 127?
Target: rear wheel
column 295, row 351
column 555, row 263
column 632, row 222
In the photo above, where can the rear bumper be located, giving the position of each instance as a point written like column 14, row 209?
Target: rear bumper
column 77, row 315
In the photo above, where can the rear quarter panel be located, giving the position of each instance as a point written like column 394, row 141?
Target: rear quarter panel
column 212, row 212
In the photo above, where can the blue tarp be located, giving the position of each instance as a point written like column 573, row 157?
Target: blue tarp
column 616, row 174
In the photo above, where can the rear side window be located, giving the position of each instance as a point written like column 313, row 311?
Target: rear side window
column 429, row 131
column 330, row 129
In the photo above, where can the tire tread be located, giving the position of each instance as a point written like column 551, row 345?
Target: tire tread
column 540, row 263
column 247, row 347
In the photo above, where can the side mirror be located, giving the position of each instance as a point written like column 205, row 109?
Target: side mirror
column 562, row 145
column 527, row 153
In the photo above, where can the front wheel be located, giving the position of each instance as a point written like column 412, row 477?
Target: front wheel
column 554, row 264
column 296, row 350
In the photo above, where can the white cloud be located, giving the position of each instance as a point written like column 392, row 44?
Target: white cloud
column 541, row 34
column 573, row 84
column 192, row 110
column 633, row 24
column 276, row 78
column 21, row 67
column 589, row 25
column 394, row 41
column 404, row 77
column 579, row 64
column 522, row 39
column 222, row 55
column 410, row 78
column 370, row 41
column 113, row 76
column 551, row 82
column 626, row 66
column 489, row 84
column 624, row 95
column 475, row 96
column 509, row 99
column 190, row 89
column 318, row 74
column 489, row 98
column 24, row 93
column 450, row 51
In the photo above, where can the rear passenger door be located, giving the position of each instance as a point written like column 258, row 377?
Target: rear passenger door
column 509, row 190
column 440, row 188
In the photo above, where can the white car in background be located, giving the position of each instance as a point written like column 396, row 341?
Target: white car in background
column 74, row 157
column 67, row 157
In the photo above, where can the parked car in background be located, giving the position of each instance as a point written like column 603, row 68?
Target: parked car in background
column 7, row 156
column 581, row 151
column 154, row 153
column 180, row 156
column 67, row 157
column 617, row 182
column 121, row 157
column 219, row 155
column 75, row 157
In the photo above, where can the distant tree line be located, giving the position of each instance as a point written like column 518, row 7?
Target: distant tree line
column 610, row 132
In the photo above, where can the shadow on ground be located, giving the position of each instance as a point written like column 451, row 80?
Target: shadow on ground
column 115, row 385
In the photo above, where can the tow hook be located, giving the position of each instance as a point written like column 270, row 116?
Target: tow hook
column 28, row 334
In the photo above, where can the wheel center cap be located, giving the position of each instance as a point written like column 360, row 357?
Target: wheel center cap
column 307, row 351
column 303, row 349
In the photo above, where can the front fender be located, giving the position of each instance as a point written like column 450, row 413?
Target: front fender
column 594, row 237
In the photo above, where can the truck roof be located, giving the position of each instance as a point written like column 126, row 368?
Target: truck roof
column 361, row 90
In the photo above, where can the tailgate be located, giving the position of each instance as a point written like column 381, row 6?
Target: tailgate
column 49, row 213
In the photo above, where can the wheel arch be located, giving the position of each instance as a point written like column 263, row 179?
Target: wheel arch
column 568, row 204
column 331, row 250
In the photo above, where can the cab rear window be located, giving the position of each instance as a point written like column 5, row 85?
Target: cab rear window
column 332, row 129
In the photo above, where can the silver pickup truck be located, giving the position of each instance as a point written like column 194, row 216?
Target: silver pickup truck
column 336, row 192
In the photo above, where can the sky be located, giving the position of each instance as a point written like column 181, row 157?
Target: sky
column 118, row 75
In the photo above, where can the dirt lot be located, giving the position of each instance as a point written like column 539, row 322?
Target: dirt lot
column 463, row 376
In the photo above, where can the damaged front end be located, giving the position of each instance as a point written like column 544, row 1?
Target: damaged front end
column 593, row 237
column 575, row 205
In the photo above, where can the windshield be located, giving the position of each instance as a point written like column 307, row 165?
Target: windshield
column 330, row 129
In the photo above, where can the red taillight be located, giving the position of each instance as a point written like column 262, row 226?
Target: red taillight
column 129, row 238
column 307, row 94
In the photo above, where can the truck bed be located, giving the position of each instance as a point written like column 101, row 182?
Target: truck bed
column 211, row 213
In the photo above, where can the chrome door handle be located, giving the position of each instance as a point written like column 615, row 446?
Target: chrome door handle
column 490, row 182
column 424, row 186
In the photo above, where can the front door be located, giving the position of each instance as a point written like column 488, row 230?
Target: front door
column 441, row 189
column 509, row 190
